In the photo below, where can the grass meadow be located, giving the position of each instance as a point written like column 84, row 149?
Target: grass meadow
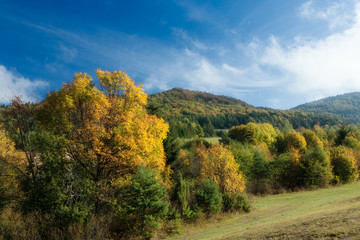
column 330, row 213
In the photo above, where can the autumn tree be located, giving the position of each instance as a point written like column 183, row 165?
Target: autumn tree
column 12, row 164
column 245, row 133
column 312, row 140
column 218, row 164
column 344, row 164
column 109, row 131
column 296, row 141
column 267, row 133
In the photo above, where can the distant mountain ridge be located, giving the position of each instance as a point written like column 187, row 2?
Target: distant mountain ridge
column 188, row 95
column 224, row 112
column 345, row 106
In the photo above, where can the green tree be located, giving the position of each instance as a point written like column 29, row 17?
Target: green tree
column 184, row 192
column 55, row 186
column 315, row 168
column 260, row 168
column 144, row 202
column 172, row 148
column 209, row 198
column 285, row 170
column 209, row 130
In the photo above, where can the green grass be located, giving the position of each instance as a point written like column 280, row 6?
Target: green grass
column 212, row 140
column 331, row 213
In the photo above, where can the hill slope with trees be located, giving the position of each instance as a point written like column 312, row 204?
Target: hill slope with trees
column 190, row 112
column 345, row 107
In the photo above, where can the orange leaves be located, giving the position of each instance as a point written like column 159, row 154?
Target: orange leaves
column 218, row 164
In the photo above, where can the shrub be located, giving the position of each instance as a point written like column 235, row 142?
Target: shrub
column 238, row 202
column 241, row 202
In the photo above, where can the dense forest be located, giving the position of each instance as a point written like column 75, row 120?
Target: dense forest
column 345, row 107
column 93, row 161
column 192, row 113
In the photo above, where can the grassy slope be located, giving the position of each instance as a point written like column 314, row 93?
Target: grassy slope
column 330, row 213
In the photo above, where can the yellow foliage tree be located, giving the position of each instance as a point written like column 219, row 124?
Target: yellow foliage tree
column 311, row 139
column 11, row 164
column 110, row 132
column 218, row 164
column 296, row 141
column 267, row 133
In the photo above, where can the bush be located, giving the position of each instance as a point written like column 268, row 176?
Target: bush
column 344, row 169
column 209, row 198
column 239, row 202
column 343, row 163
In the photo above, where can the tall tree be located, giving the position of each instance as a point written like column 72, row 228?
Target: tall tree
column 109, row 131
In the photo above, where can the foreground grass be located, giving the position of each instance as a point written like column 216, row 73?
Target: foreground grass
column 331, row 213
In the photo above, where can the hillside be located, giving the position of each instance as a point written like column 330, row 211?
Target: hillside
column 331, row 213
column 225, row 112
column 345, row 107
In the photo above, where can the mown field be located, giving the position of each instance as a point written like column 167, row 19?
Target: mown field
column 331, row 213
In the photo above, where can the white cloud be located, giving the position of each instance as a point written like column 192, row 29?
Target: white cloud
column 13, row 84
column 194, row 71
column 336, row 13
column 318, row 68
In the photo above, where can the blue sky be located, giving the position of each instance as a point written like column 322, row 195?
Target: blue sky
column 272, row 53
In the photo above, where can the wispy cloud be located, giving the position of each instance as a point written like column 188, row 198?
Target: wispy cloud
column 188, row 41
column 13, row 84
column 336, row 13
column 195, row 11
column 67, row 54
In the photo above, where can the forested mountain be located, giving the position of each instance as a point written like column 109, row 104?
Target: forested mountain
column 185, row 109
column 345, row 107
